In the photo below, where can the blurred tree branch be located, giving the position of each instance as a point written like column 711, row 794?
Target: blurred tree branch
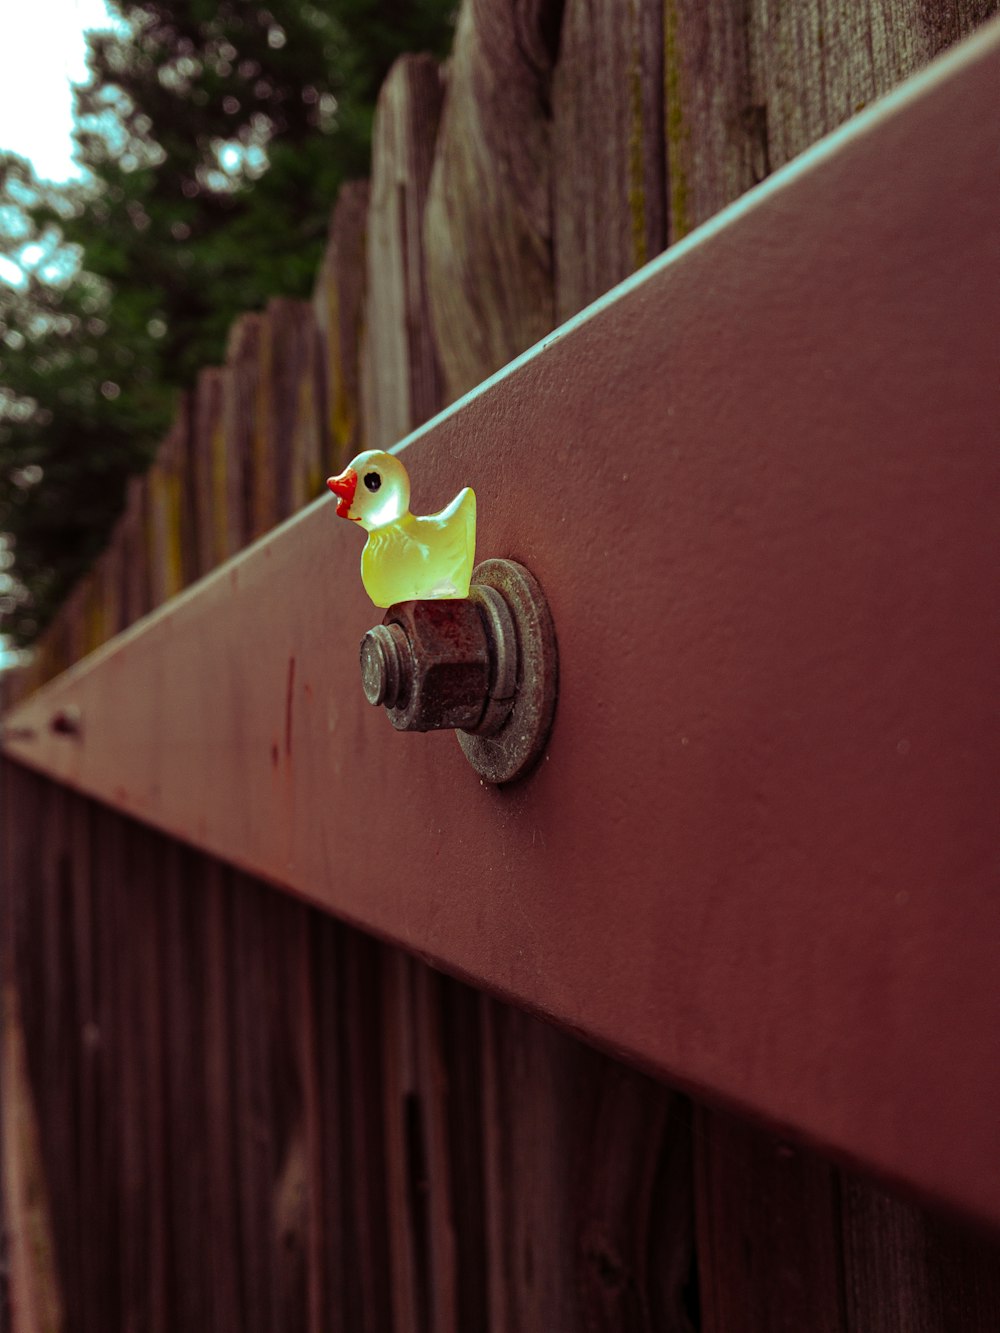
column 215, row 137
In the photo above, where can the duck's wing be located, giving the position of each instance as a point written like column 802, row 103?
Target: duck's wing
column 450, row 537
column 464, row 503
column 457, row 525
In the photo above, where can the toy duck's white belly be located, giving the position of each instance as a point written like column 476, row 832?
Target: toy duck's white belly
column 422, row 557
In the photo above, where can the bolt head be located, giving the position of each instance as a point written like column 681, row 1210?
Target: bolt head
column 386, row 666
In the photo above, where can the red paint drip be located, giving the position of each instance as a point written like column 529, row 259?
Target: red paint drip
column 344, row 487
column 289, row 700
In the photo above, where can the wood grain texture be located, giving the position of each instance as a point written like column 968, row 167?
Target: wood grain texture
column 768, row 1232
column 32, row 1276
column 813, row 65
column 716, row 144
column 287, row 444
column 241, row 430
column 582, row 1230
column 439, row 1133
column 221, row 1109
column 260, row 1119
column 136, row 595
column 401, row 378
column 488, row 224
column 908, row 1271
column 208, row 494
column 339, row 302
column 788, row 1241
column 608, row 158
column 349, row 1029
column 112, row 587
column 165, row 483
column 404, row 1128
column 310, row 445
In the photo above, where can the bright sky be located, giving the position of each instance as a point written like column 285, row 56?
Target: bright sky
column 42, row 52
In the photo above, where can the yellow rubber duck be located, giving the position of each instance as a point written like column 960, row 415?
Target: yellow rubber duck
column 405, row 557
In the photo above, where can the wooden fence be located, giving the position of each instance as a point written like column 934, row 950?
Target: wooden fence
column 250, row 1116
column 563, row 146
column 225, row 1110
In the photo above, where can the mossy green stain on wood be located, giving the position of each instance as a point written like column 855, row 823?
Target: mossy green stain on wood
column 676, row 130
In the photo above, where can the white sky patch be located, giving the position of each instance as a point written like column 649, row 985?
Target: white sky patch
column 42, row 51
column 10, row 273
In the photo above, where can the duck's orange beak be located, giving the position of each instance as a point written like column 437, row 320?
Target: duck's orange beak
column 343, row 488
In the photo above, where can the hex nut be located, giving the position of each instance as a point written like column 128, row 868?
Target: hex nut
column 485, row 667
column 510, row 752
column 449, row 664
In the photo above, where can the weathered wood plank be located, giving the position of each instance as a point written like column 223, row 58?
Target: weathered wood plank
column 165, row 485
column 488, row 224
column 33, row 1263
column 304, row 995
column 255, row 1128
column 113, row 942
column 102, row 598
column 343, row 1252
column 441, row 1130
column 184, row 966
column 576, row 1147
column 635, row 1219
column 73, row 629
column 240, row 430
column 716, row 137
column 367, row 1299
column 84, row 979
column 310, row 448
column 113, row 584
column 136, row 594
column 146, row 998
column 910, row 1271
column 339, row 301
column 208, row 490
column 222, row 1109
column 54, row 1047
column 32, row 1268
column 406, row 1183
column 769, row 1257
column 815, row 64
column 283, row 445
column 402, row 384
column 456, row 1070
column 609, row 187
column 298, row 1186
column 197, row 1024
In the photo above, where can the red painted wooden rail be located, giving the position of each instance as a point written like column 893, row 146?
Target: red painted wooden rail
column 757, row 485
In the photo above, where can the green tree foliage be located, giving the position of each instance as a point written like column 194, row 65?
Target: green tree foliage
column 215, row 136
column 68, row 435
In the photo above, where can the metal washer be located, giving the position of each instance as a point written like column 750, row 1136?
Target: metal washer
column 511, row 751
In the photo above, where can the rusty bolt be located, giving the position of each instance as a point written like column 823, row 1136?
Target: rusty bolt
column 429, row 664
column 386, row 669
column 485, row 666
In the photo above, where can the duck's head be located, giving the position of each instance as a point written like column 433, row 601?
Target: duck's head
column 372, row 490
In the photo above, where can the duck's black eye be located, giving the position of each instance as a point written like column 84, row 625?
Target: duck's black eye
column 373, row 481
